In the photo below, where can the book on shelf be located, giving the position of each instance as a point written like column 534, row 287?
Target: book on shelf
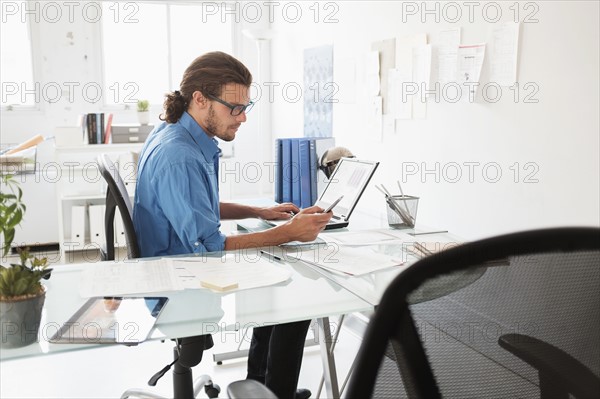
column 96, row 128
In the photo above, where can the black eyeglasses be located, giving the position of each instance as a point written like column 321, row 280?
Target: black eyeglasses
column 236, row 109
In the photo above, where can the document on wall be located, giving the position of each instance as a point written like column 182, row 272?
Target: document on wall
column 468, row 70
column 229, row 273
column 404, row 76
column 346, row 261
column 400, row 104
column 372, row 69
column 422, row 78
column 375, row 117
column 387, row 61
column 504, row 53
column 444, row 56
column 130, row 277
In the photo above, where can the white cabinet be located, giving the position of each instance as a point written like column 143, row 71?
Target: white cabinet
column 80, row 186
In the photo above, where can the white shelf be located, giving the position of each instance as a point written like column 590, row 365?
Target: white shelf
column 83, row 197
column 84, row 186
column 100, row 147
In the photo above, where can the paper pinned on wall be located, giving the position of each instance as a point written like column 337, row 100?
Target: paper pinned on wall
column 372, row 67
column 400, row 105
column 403, row 78
column 444, row 56
column 468, row 70
column 422, row 79
column 504, row 54
column 387, row 61
column 375, row 115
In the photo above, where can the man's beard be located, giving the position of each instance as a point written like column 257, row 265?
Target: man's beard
column 213, row 126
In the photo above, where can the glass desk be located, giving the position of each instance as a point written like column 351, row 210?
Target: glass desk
column 200, row 311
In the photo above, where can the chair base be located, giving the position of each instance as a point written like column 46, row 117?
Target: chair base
column 204, row 381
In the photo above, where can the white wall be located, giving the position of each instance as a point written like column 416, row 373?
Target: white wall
column 559, row 135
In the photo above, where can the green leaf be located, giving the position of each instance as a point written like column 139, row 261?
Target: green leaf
column 16, row 219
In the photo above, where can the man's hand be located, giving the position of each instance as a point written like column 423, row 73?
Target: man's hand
column 307, row 224
column 278, row 212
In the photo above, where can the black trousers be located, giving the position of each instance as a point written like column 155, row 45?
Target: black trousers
column 275, row 356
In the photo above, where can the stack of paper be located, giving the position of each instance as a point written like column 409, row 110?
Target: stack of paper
column 134, row 277
column 346, row 261
column 228, row 273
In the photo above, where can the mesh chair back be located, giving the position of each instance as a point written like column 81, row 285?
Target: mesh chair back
column 511, row 316
column 117, row 197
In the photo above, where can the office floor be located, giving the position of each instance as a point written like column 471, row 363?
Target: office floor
column 107, row 372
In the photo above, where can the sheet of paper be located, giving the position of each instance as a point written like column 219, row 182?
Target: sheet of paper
column 134, row 277
column 372, row 69
column 470, row 61
column 444, row 55
column 422, row 77
column 400, row 105
column 404, row 73
column 504, row 53
column 358, row 238
column 345, row 260
column 387, row 61
column 375, row 118
column 251, row 272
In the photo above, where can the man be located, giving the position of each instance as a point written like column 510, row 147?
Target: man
column 177, row 208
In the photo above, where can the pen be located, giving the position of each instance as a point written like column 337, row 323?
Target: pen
column 428, row 232
column 270, row 255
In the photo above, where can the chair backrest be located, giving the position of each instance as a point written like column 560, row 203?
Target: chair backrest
column 510, row 316
column 117, row 196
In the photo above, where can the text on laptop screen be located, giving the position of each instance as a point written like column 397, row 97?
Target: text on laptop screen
column 349, row 180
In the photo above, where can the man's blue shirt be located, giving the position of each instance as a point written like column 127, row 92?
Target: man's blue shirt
column 176, row 206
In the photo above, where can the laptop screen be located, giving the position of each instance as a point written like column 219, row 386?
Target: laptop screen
column 350, row 178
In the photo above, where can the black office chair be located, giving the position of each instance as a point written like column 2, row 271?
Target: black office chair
column 511, row 316
column 188, row 351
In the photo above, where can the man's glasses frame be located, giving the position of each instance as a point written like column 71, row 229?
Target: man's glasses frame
column 236, row 109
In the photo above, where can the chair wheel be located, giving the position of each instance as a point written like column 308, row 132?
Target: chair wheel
column 219, row 363
column 212, row 390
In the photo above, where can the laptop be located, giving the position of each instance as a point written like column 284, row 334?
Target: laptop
column 350, row 178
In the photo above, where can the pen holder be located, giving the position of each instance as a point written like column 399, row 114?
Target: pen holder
column 402, row 211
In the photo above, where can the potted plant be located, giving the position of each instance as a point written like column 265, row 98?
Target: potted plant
column 143, row 111
column 21, row 293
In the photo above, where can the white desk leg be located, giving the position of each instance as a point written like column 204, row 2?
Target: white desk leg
column 331, row 383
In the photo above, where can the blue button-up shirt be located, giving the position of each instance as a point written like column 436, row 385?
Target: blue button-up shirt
column 176, row 207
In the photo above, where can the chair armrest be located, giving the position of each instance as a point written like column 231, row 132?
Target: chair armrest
column 553, row 364
column 249, row 389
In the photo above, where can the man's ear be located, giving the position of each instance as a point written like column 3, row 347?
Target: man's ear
column 199, row 100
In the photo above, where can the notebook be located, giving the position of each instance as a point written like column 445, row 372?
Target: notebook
column 350, row 179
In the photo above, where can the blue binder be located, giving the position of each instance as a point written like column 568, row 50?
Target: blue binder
column 305, row 173
column 278, row 170
column 295, row 171
column 286, row 170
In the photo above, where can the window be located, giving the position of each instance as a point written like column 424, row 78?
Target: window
column 147, row 46
column 16, row 63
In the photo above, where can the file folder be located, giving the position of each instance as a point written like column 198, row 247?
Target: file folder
column 120, row 240
column 78, row 218
column 97, row 236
